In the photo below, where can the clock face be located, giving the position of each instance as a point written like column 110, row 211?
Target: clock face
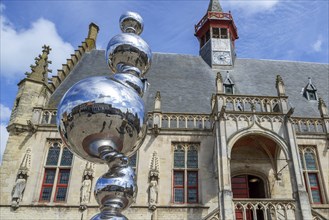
column 222, row 58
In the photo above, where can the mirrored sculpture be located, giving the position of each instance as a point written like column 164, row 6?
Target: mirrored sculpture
column 103, row 119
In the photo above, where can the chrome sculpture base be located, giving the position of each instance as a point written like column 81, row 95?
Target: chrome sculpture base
column 115, row 190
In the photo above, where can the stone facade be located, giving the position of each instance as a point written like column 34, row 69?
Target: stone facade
column 243, row 135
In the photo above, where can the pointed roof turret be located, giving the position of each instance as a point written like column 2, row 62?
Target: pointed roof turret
column 39, row 71
column 214, row 6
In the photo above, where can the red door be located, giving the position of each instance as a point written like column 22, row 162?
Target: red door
column 240, row 189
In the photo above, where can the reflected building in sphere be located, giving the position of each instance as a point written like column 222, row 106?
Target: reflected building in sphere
column 226, row 138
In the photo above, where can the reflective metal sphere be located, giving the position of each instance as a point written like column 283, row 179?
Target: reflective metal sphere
column 131, row 22
column 98, row 115
column 128, row 50
column 115, row 191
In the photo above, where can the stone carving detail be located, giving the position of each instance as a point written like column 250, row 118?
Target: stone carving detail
column 86, row 186
column 154, row 179
column 18, row 190
column 22, row 174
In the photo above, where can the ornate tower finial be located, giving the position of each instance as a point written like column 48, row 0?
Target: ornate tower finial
column 279, row 85
column 215, row 6
column 39, row 71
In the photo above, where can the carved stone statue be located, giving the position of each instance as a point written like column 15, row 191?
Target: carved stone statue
column 154, row 178
column 85, row 190
column 153, row 193
column 18, row 190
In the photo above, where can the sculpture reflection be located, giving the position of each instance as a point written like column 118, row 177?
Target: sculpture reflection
column 103, row 119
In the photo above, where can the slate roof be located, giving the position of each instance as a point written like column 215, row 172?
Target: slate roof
column 186, row 82
column 257, row 77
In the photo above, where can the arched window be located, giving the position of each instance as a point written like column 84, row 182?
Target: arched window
column 185, row 173
column 57, row 171
column 311, row 173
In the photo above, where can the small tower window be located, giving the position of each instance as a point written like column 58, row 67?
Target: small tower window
column 309, row 91
column 223, row 33
column 215, row 32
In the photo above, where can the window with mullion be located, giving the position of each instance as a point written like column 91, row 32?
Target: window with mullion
column 311, row 174
column 185, row 174
column 57, row 166
column 47, row 184
column 192, row 186
column 179, row 187
column 61, row 186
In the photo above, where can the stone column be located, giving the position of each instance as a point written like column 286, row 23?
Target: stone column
column 303, row 208
column 225, row 195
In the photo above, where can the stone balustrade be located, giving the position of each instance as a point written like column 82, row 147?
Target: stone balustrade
column 267, row 209
column 180, row 121
column 246, row 103
column 308, row 125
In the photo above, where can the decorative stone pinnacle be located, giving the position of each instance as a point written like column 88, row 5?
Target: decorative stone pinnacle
column 46, row 49
column 219, row 77
column 157, row 101
column 322, row 108
column 39, row 71
column 157, row 95
column 279, row 85
column 279, row 80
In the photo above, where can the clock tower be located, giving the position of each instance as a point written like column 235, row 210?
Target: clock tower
column 217, row 33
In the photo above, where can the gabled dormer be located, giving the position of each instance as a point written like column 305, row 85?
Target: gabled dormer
column 217, row 33
column 228, row 84
column 309, row 91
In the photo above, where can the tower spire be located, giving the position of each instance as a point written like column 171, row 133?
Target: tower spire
column 214, row 6
column 39, row 71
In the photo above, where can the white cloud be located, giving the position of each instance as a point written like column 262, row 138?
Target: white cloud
column 317, row 46
column 253, row 6
column 19, row 47
column 3, row 139
column 4, row 113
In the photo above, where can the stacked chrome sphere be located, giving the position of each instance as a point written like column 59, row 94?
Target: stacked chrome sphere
column 103, row 119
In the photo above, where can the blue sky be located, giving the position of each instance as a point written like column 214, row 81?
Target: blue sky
column 278, row 30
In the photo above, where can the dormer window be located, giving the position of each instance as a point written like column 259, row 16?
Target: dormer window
column 228, row 84
column 310, row 91
column 312, row 95
column 228, row 89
